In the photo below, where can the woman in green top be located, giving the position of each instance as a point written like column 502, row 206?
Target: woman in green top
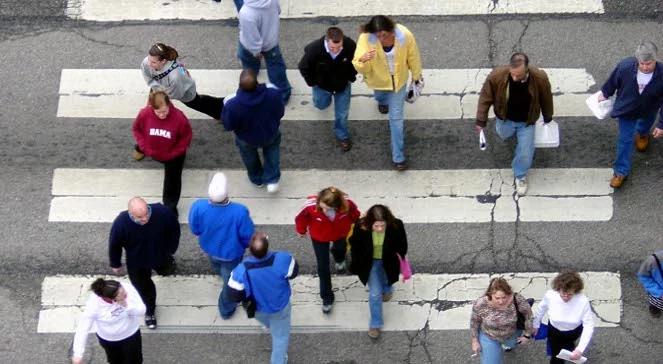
column 376, row 240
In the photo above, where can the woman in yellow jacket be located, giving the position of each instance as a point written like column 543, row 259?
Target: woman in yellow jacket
column 386, row 54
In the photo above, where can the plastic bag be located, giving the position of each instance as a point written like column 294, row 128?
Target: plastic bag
column 546, row 135
column 406, row 268
column 414, row 90
column 600, row 109
column 482, row 140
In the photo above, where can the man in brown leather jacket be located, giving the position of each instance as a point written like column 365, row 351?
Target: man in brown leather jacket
column 518, row 93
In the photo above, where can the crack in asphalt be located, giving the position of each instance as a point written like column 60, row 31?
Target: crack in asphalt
column 518, row 46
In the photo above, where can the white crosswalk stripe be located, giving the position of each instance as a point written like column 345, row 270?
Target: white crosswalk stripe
column 449, row 94
column 119, row 10
column 433, row 196
column 188, row 304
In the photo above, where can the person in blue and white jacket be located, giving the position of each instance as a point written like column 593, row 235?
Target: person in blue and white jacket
column 224, row 229
column 650, row 275
column 264, row 276
column 116, row 309
column 638, row 82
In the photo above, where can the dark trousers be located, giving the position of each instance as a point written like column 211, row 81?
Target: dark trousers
column 559, row 340
column 209, row 105
column 127, row 351
column 141, row 278
column 172, row 181
column 321, row 250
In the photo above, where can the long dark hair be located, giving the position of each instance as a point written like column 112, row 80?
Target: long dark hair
column 377, row 213
column 378, row 23
column 163, row 52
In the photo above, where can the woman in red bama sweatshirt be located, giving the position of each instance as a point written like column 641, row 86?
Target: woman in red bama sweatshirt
column 164, row 133
column 328, row 218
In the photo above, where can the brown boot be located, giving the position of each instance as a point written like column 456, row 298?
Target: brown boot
column 374, row 333
column 617, row 181
column 386, row 297
column 641, row 142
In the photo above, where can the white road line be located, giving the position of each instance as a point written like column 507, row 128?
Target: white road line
column 118, row 10
column 449, row 94
column 189, row 303
column 417, row 196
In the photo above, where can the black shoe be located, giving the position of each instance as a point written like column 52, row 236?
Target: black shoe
column 345, row 145
column 654, row 311
column 400, row 166
column 383, row 109
column 151, row 322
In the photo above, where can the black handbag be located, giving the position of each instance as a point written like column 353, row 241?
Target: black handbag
column 249, row 303
column 520, row 318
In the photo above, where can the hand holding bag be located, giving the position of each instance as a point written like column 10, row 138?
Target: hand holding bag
column 546, row 135
column 406, row 269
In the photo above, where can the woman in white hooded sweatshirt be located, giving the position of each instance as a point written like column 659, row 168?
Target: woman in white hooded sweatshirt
column 116, row 309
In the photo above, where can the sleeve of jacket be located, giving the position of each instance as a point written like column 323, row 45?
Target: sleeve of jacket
column 413, row 57
column 486, row 100
column 249, row 29
column 351, row 46
column 355, row 248
column 646, row 277
column 541, row 311
column 293, row 268
column 116, row 242
column 612, row 83
column 147, row 76
column 227, row 114
column 83, row 328
column 403, row 246
column 307, row 66
column 302, row 220
column 362, row 47
column 354, row 211
column 246, row 228
column 173, row 227
column 545, row 94
column 236, row 284
column 139, row 134
column 184, row 136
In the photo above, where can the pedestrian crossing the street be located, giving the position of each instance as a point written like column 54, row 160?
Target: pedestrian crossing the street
column 419, row 196
column 448, row 94
column 188, row 304
column 119, row 10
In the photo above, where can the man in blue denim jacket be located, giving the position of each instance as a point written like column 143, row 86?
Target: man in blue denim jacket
column 639, row 84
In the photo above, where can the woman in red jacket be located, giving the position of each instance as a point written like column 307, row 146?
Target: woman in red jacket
column 164, row 133
column 328, row 218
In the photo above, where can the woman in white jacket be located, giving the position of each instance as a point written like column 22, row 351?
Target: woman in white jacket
column 116, row 309
column 569, row 316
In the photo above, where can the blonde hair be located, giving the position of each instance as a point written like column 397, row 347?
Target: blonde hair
column 158, row 98
column 332, row 197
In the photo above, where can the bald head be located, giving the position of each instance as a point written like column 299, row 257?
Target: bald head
column 248, row 80
column 139, row 210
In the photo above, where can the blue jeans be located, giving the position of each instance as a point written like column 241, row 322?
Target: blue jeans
column 259, row 173
column 275, row 67
column 396, row 101
column 522, row 160
column 377, row 286
column 322, row 99
column 491, row 350
column 223, row 268
column 278, row 324
column 627, row 127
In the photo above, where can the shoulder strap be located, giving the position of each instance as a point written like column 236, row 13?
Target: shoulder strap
column 164, row 74
column 658, row 262
column 515, row 303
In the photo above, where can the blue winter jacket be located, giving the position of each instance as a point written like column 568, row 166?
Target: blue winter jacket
column 255, row 116
column 630, row 104
column 223, row 231
column 651, row 276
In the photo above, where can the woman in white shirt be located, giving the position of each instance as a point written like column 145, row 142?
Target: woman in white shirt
column 569, row 316
column 117, row 310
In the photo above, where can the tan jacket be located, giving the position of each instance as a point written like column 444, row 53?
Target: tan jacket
column 495, row 93
column 376, row 71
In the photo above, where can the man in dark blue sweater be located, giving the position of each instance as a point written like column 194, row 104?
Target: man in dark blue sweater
column 254, row 113
column 150, row 236
column 638, row 82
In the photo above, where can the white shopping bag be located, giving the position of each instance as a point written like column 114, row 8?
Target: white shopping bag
column 482, row 140
column 546, row 135
column 414, row 90
column 600, row 109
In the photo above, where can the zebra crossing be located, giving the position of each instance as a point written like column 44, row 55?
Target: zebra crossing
column 120, row 10
column 187, row 304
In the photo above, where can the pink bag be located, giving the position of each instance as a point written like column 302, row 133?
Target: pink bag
column 406, row 269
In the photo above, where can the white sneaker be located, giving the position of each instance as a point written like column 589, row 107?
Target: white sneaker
column 272, row 187
column 521, row 186
column 340, row 267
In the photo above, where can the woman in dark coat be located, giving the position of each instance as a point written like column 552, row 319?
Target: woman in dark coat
column 376, row 241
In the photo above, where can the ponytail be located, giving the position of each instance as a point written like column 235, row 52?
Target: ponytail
column 105, row 288
column 163, row 52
